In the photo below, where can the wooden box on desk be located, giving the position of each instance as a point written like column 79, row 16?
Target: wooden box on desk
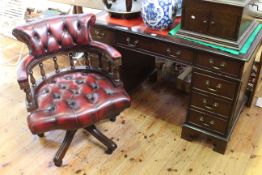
column 224, row 22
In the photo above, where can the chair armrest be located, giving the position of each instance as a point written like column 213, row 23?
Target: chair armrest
column 22, row 74
column 110, row 51
column 114, row 56
column 22, row 78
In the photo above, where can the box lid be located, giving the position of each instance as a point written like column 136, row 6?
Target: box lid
column 241, row 3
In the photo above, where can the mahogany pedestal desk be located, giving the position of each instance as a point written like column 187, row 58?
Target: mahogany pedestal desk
column 219, row 79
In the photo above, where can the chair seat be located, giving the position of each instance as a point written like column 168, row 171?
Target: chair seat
column 76, row 100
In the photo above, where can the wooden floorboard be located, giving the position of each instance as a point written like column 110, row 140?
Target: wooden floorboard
column 147, row 135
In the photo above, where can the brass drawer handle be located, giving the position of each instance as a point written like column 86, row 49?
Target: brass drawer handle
column 99, row 35
column 223, row 64
column 215, row 105
column 205, row 124
column 218, row 86
column 210, row 106
column 178, row 52
column 130, row 43
column 202, row 119
column 169, row 52
column 212, row 122
column 220, row 67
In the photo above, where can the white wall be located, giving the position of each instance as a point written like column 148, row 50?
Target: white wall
column 8, row 23
column 62, row 4
column 45, row 4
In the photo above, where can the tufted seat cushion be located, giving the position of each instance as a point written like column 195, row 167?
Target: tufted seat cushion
column 76, row 100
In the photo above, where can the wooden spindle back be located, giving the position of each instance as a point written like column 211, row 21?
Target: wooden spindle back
column 90, row 60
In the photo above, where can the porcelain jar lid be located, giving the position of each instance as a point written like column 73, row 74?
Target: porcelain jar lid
column 123, row 8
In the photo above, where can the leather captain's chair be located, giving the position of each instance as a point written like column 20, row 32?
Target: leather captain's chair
column 76, row 96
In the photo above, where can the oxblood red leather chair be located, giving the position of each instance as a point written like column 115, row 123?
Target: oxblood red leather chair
column 74, row 97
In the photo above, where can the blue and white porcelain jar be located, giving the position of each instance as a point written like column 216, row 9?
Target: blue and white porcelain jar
column 159, row 14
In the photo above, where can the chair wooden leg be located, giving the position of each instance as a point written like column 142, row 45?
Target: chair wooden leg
column 112, row 119
column 41, row 135
column 111, row 146
column 58, row 159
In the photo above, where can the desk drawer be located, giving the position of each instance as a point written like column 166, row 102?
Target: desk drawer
column 207, row 121
column 219, row 64
column 212, row 104
column 133, row 41
column 103, row 35
column 213, row 85
column 176, row 53
column 155, row 46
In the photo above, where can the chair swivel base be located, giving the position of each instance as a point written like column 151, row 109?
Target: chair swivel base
column 58, row 159
column 111, row 146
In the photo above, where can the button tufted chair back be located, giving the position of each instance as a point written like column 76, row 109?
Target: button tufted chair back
column 59, row 34
column 69, row 96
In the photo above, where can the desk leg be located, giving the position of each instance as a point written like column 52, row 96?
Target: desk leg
column 190, row 134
